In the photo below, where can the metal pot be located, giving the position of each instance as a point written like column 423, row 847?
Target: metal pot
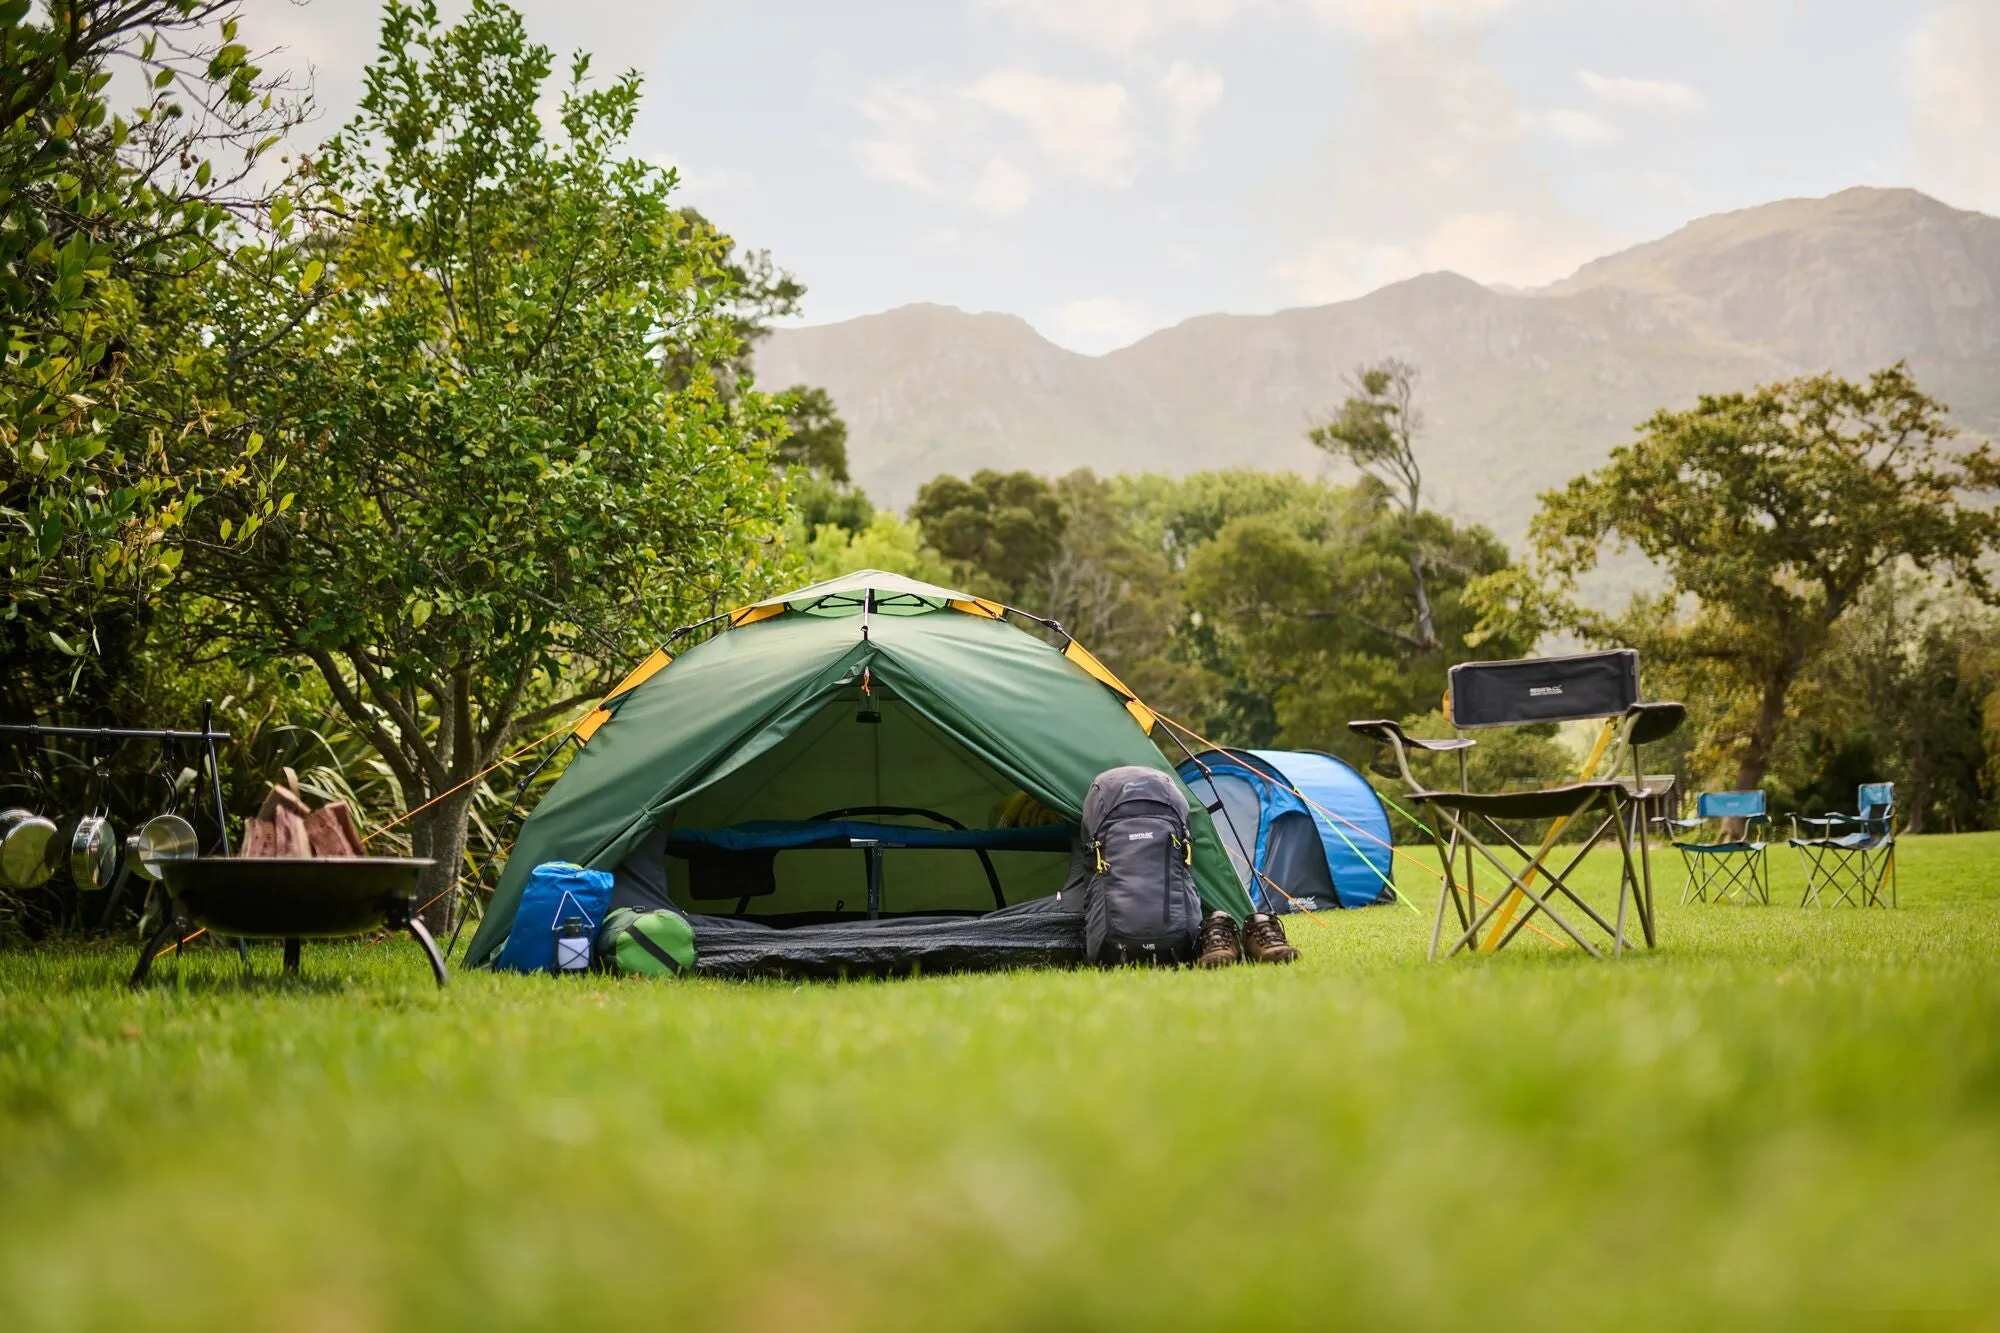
column 24, row 848
column 160, row 839
column 93, row 853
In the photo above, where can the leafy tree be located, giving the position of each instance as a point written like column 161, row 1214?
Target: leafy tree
column 1903, row 691
column 108, row 220
column 816, row 439
column 1771, row 512
column 1000, row 528
column 1105, row 582
column 510, row 459
column 1376, row 430
column 754, row 293
column 813, row 455
column 885, row 542
column 1303, row 608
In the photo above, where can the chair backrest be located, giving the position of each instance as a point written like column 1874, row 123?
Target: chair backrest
column 1544, row 689
column 1874, row 798
column 1729, row 805
column 1875, row 803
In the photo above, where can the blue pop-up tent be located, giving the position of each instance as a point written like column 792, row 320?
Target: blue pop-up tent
column 1304, row 830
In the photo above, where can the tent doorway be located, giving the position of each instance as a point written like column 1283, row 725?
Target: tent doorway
column 901, row 769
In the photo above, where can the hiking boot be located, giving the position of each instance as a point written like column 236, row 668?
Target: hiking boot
column 1218, row 946
column 1264, row 940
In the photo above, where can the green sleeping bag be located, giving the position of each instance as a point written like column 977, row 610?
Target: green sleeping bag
column 646, row 944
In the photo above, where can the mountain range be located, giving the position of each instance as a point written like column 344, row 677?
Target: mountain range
column 1521, row 390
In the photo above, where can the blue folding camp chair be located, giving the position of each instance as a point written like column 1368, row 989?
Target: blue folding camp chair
column 1856, row 865
column 1719, row 867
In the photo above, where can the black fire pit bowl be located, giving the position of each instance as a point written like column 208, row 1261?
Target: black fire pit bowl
column 292, row 899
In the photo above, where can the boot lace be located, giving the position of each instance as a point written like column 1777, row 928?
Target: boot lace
column 1265, row 933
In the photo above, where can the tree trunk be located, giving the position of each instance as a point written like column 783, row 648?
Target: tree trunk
column 1763, row 738
column 1426, row 622
column 440, row 833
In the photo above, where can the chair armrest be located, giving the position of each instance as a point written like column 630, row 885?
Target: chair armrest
column 1654, row 721
column 1391, row 733
column 1677, row 823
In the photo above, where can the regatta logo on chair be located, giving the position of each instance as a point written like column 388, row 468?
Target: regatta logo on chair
column 1540, row 690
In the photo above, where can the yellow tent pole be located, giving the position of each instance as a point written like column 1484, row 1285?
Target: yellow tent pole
column 1505, row 915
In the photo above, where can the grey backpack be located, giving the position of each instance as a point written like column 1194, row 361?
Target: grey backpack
column 1134, row 866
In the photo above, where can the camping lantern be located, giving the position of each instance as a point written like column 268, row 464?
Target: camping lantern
column 572, row 945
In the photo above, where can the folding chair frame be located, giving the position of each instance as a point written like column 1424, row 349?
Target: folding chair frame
column 1472, row 821
column 1743, row 874
column 1858, row 867
column 1856, row 873
column 1464, row 898
column 1719, row 871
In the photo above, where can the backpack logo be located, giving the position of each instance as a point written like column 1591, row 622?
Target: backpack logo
column 1135, row 837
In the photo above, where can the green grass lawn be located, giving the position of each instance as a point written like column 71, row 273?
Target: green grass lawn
column 1780, row 1119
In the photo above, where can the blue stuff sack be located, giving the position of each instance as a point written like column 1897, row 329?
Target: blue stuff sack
column 531, row 941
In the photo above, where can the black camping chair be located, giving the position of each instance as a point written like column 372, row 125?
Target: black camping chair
column 1521, row 693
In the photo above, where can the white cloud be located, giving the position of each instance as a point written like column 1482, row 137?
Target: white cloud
column 1118, row 27
column 905, row 120
column 1583, row 128
column 1653, row 97
column 1098, row 324
column 1950, row 71
column 1426, row 170
column 1384, row 19
column 335, row 39
column 1190, row 94
column 1002, row 188
column 993, row 144
column 1085, row 130
column 699, row 186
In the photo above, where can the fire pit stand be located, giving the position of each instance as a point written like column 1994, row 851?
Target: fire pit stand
column 292, row 899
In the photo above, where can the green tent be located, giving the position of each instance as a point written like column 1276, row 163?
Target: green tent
column 775, row 718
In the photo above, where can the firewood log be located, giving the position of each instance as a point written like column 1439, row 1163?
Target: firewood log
column 282, row 798
column 331, row 831
column 290, row 827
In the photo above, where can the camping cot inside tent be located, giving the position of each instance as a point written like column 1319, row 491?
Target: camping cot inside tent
column 1304, row 831
column 873, row 713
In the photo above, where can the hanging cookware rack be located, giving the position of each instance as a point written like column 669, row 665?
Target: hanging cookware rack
column 205, row 739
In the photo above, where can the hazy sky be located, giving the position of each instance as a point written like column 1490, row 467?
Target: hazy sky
column 1108, row 167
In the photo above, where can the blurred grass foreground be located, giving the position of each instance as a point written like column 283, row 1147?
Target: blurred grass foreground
column 1780, row 1119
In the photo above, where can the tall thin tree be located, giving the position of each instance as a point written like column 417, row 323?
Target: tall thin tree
column 1376, row 430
